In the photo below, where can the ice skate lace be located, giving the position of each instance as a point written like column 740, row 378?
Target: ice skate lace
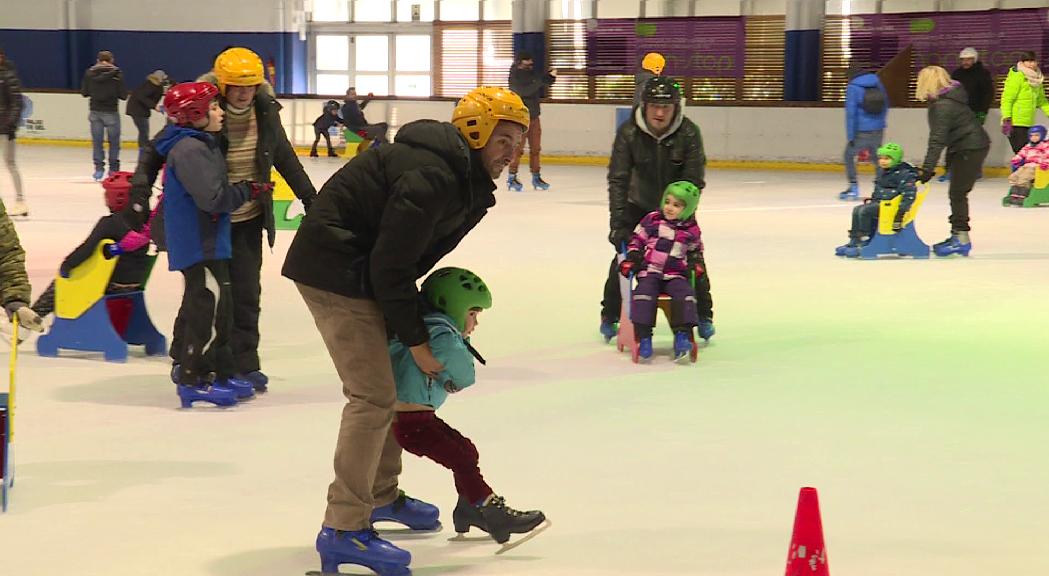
column 500, row 502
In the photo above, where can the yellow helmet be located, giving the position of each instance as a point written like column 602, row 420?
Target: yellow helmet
column 477, row 113
column 654, row 62
column 238, row 67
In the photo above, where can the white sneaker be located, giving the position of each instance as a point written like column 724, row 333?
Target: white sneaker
column 20, row 208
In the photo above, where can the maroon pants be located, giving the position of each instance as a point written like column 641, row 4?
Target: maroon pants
column 424, row 434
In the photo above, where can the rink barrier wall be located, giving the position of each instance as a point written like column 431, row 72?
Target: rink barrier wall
column 776, row 138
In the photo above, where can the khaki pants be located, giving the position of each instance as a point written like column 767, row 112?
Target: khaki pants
column 367, row 456
column 1024, row 175
column 534, row 139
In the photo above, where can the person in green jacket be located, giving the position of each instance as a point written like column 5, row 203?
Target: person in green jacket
column 456, row 297
column 15, row 290
column 1023, row 92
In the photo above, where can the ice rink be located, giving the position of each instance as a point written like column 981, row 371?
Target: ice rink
column 913, row 394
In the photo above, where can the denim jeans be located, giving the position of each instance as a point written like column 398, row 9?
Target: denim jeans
column 869, row 141
column 108, row 124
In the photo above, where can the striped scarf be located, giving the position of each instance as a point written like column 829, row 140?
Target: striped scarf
column 242, row 131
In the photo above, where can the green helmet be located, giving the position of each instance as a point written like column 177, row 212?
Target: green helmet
column 893, row 151
column 454, row 291
column 686, row 192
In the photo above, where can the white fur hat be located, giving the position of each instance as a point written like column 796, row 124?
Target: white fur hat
column 970, row 52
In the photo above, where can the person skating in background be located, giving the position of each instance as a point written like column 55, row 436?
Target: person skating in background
column 353, row 117
column 529, row 84
column 131, row 245
column 254, row 142
column 327, row 119
column 456, row 297
column 10, row 116
column 198, row 199
column 15, row 290
column 1023, row 93
column 866, row 108
column 1026, row 162
column 651, row 66
column 952, row 125
column 977, row 81
column 103, row 85
column 664, row 253
column 658, row 145
column 381, row 222
column 142, row 101
column 897, row 178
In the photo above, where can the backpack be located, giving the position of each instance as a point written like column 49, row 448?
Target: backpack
column 873, row 101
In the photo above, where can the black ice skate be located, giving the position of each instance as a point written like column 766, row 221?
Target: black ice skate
column 499, row 521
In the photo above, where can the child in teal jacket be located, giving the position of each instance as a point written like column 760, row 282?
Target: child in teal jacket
column 457, row 297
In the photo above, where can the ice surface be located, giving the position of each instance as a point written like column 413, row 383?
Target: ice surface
column 912, row 394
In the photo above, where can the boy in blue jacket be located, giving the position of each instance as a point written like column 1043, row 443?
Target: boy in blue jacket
column 866, row 108
column 897, row 178
column 196, row 206
column 456, row 296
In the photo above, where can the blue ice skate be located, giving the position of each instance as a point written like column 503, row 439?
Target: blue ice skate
column 217, row 395
column 413, row 513
column 363, row 548
column 706, row 328
column 98, row 174
column 242, row 388
column 608, row 330
column 850, row 250
column 952, row 245
column 682, row 345
column 538, row 183
column 512, row 183
column 256, row 378
column 946, row 177
column 644, row 349
column 853, row 193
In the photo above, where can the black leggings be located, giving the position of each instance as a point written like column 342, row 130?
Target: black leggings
column 966, row 166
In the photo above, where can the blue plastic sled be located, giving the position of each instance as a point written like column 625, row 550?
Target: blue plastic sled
column 903, row 243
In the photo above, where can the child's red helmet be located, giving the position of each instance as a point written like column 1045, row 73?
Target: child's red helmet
column 188, row 102
column 118, row 190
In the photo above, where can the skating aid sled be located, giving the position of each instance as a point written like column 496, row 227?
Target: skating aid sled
column 626, row 339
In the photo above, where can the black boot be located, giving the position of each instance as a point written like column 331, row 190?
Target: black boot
column 313, row 152
column 495, row 518
column 332, row 154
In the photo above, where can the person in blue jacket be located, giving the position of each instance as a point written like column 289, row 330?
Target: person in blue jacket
column 456, row 297
column 866, row 107
column 196, row 205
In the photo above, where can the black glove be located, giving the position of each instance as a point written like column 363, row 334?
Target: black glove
column 925, row 175
column 307, row 202
column 619, row 238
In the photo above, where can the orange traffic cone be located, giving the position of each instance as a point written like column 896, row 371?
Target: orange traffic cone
column 807, row 555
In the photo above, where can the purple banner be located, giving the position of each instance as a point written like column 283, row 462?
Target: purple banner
column 938, row 37
column 700, row 47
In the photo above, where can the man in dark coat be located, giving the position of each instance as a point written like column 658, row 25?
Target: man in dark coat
column 103, row 85
column 657, row 146
column 529, row 84
column 379, row 224
column 10, row 116
column 142, row 101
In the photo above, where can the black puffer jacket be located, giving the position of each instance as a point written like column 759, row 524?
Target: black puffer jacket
column 642, row 166
column 385, row 218
column 978, row 84
column 10, row 98
column 103, row 84
column 952, row 125
column 273, row 150
column 144, row 99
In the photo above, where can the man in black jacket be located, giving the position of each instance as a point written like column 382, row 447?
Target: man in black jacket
column 254, row 142
column 657, row 146
column 10, row 116
column 141, row 102
column 529, row 84
column 380, row 223
column 103, row 85
column 353, row 117
column 977, row 81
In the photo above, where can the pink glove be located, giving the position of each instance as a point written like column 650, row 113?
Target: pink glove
column 134, row 240
column 863, row 155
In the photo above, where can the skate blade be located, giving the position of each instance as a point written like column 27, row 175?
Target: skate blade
column 515, row 543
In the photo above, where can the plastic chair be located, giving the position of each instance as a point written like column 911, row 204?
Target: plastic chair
column 85, row 315
column 903, row 243
column 1037, row 196
column 626, row 338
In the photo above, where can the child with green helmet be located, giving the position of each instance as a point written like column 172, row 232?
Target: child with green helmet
column 897, row 178
column 664, row 253
column 456, row 297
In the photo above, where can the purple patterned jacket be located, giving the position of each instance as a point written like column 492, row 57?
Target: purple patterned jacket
column 666, row 245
